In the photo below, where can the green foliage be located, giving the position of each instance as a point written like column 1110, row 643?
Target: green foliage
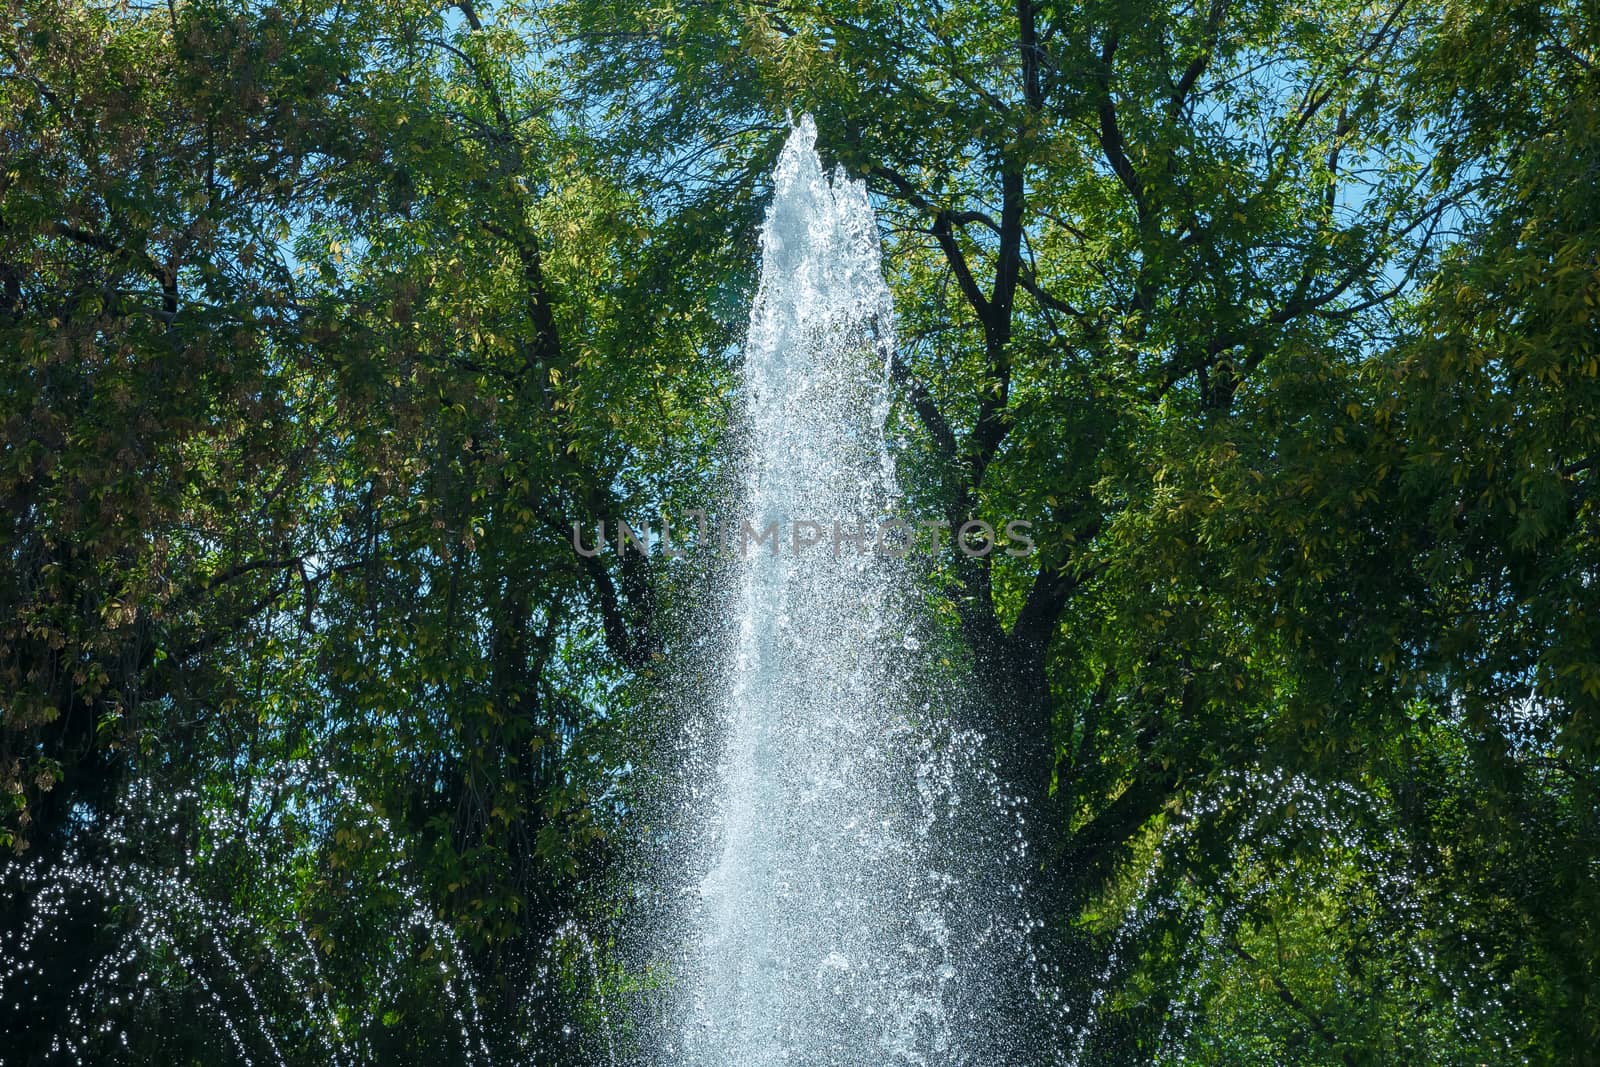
column 321, row 323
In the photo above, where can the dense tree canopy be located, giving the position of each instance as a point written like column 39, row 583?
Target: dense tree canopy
column 321, row 322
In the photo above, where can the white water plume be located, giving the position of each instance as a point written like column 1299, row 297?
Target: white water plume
column 850, row 907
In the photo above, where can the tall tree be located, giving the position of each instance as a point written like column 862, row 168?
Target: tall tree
column 327, row 326
column 1151, row 265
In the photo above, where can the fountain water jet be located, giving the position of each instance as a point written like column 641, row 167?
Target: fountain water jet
column 852, row 911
